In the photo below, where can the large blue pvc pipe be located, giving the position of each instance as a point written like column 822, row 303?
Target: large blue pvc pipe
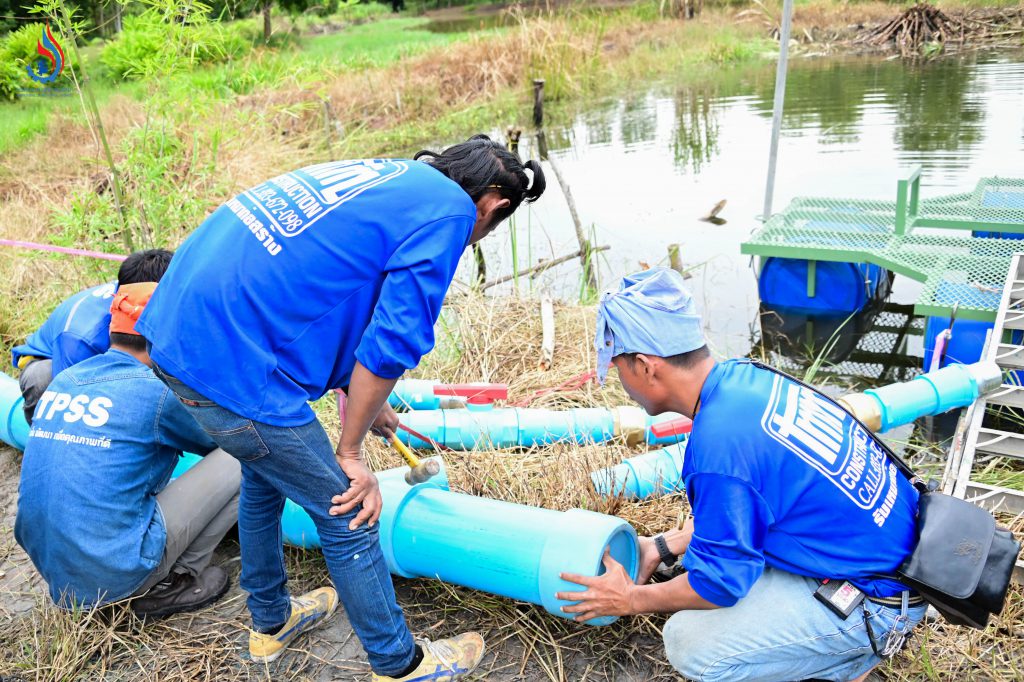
column 499, row 547
column 653, row 474
column 934, row 393
column 525, row 427
column 507, row 549
column 13, row 427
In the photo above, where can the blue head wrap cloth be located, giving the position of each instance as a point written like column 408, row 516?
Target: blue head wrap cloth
column 652, row 312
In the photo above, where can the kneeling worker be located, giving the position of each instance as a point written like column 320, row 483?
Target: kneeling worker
column 79, row 327
column 94, row 514
column 787, row 490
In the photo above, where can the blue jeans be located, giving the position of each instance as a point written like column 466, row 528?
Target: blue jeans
column 780, row 632
column 298, row 463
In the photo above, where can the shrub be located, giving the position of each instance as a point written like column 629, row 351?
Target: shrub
column 149, row 45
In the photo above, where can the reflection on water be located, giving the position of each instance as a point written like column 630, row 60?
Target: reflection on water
column 695, row 139
column 646, row 167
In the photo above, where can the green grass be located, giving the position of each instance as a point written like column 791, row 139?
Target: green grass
column 24, row 120
column 374, row 44
column 315, row 58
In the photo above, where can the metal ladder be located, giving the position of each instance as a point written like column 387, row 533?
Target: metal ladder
column 973, row 440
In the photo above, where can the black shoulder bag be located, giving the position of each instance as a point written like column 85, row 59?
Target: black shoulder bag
column 962, row 562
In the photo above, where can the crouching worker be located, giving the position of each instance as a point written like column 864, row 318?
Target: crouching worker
column 79, row 327
column 786, row 490
column 94, row 514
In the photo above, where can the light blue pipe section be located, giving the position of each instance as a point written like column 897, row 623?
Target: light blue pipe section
column 932, row 393
column 414, row 394
column 300, row 531
column 507, row 549
column 498, row 547
column 297, row 527
column 521, row 427
column 653, row 474
column 13, row 427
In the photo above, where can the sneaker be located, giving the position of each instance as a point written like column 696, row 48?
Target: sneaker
column 308, row 611
column 181, row 592
column 445, row 659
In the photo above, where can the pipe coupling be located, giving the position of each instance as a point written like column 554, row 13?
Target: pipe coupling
column 987, row 374
column 630, row 423
column 864, row 408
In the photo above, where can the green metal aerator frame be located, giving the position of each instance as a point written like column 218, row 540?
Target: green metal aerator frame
column 915, row 237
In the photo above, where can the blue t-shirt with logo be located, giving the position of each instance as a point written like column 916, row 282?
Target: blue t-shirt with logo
column 271, row 301
column 778, row 475
column 76, row 330
column 105, row 437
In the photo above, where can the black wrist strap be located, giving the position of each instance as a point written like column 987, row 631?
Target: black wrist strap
column 667, row 557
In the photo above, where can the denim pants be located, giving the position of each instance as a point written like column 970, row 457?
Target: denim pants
column 298, row 463
column 780, row 632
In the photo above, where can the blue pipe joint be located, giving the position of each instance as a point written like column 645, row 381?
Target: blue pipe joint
column 13, row 427
column 654, row 474
column 933, row 393
column 414, row 394
column 580, row 528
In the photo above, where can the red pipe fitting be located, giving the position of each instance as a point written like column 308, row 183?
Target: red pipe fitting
column 475, row 394
column 673, row 427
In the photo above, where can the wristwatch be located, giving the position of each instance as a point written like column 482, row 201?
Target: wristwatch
column 667, row 557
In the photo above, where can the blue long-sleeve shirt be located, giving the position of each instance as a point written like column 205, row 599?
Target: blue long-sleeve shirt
column 779, row 476
column 271, row 301
column 76, row 330
column 105, row 438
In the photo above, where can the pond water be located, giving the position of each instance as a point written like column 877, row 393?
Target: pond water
column 644, row 168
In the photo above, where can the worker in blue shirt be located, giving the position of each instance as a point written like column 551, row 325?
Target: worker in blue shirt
column 78, row 328
column 331, row 276
column 95, row 512
column 786, row 490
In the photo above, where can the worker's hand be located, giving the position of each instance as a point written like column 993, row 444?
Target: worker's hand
column 650, row 559
column 362, row 489
column 386, row 422
column 610, row 594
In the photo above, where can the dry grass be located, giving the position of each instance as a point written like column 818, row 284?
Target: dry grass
column 489, row 339
column 497, row 340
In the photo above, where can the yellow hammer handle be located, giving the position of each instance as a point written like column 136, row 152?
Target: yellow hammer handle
column 411, row 459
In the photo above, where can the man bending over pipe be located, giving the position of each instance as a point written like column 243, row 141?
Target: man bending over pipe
column 786, row 489
column 78, row 328
column 331, row 276
column 93, row 512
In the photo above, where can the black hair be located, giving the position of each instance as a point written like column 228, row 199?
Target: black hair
column 682, row 360
column 480, row 165
column 144, row 266
column 133, row 341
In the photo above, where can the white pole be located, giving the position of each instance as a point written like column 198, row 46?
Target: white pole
column 780, row 95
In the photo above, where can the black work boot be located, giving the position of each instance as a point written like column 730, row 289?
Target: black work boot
column 180, row 592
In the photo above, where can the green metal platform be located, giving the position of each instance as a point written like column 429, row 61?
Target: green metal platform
column 928, row 240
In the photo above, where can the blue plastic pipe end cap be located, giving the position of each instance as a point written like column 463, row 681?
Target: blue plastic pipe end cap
column 578, row 530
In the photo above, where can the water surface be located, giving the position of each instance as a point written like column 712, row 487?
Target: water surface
column 644, row 168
